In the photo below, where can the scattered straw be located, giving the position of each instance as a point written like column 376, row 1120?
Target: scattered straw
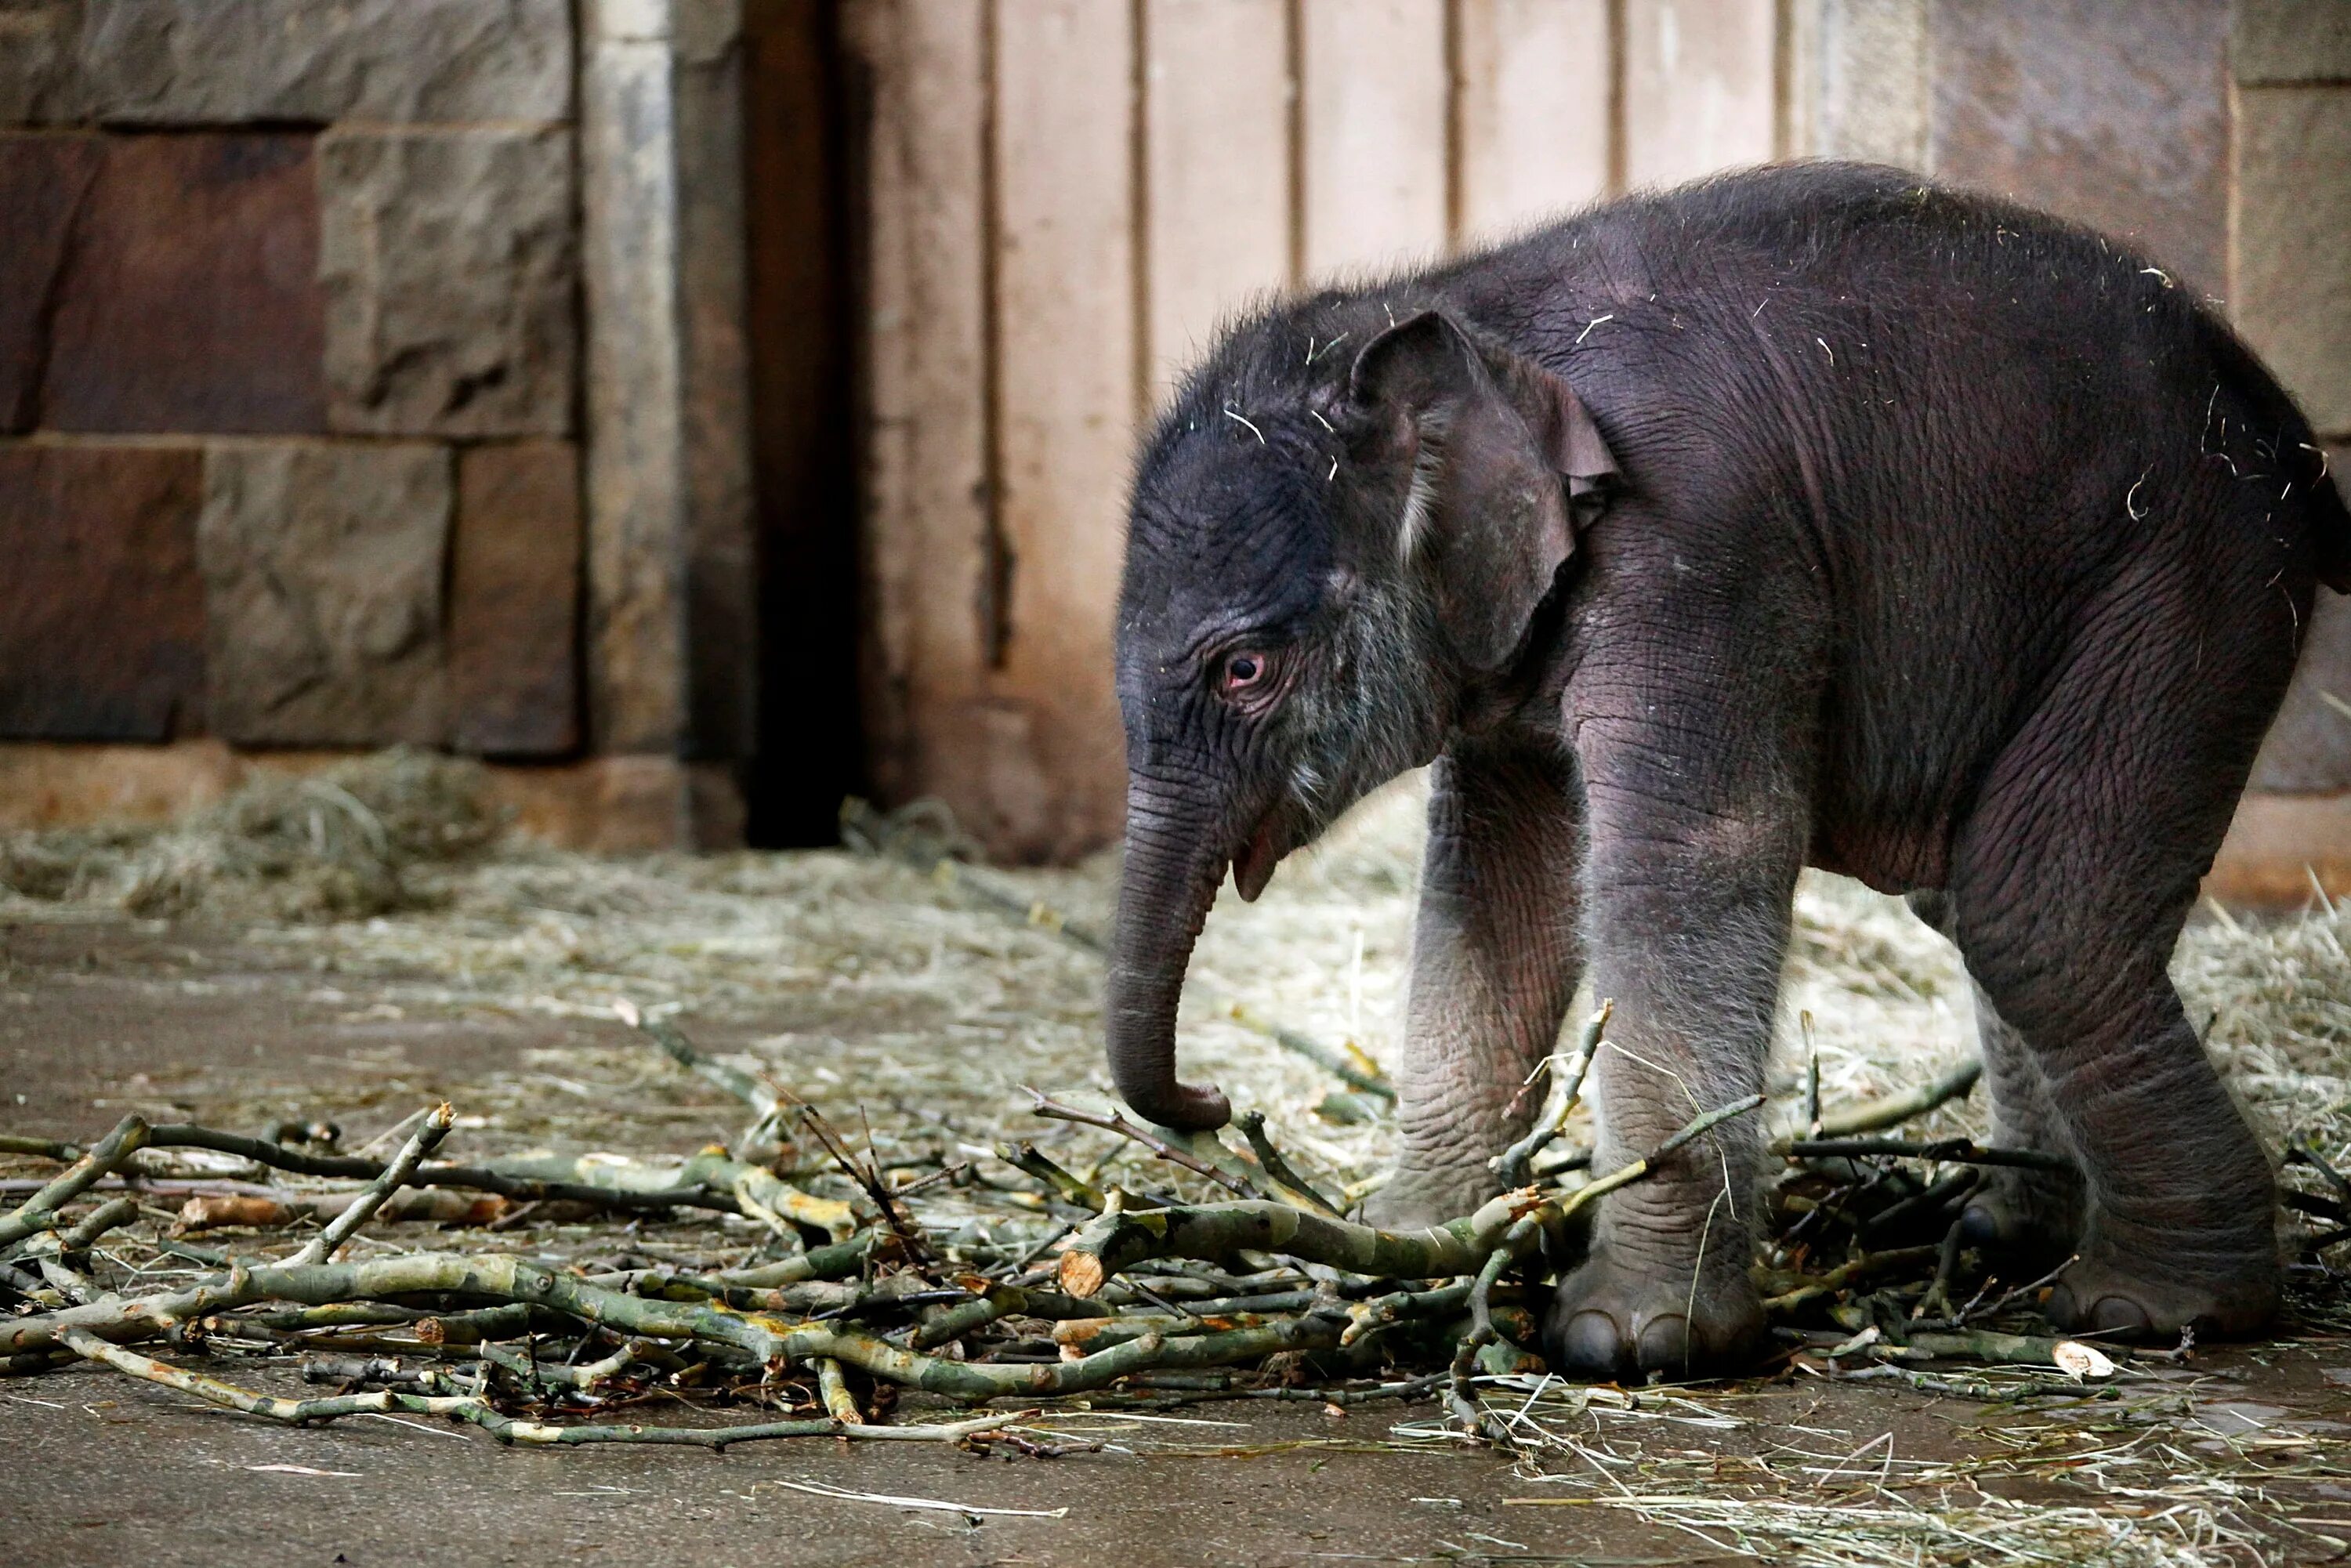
column 854, row 981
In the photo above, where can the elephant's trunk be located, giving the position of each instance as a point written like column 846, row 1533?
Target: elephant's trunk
column 1176, row 859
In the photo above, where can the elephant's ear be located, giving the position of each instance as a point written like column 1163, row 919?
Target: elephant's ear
column 1502, row 461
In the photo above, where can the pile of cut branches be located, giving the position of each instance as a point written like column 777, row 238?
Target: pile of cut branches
column 795, row 1276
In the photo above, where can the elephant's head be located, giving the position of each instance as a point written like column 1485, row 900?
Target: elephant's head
column 1338, row 539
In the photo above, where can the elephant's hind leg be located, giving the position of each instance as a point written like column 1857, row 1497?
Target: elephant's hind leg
column 2071, row 879
column 2031, row 1217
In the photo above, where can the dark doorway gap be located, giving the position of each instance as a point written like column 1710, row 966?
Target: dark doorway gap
column 801, row 307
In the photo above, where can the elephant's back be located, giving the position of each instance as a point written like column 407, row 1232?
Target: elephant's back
column 1997, row 442
column 1895, row 349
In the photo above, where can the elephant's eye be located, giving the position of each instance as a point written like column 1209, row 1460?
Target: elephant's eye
column 1243, row 670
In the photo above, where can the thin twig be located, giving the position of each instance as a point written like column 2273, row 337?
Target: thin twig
column 894, row 1214
column 506, row 1429
column 2301, row 1151
column 1209, row 1145
column 764, row 1101
column 1053, row 1110
column 2030, row 1288
column 1071, row 1189
column 41, row 1148
column 322, row 1246
column 1696, row 1127
column 178, row 1135
column 111, row 1215
column 41, row 1211
column 1511, row 1165
column 1218, row 1231
column 1936, row 1301
column 1949, row 1151
column 1939, row 1196
column 1869, row 1118
column 1811, row 1078
column 833, row 1387
column 1458, row 1397
column 1252, row 1125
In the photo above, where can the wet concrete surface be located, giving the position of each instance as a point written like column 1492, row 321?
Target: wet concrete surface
column 98, row 1469
column 126, row 1473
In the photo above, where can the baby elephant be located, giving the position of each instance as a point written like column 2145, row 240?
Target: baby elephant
column 1813, row 516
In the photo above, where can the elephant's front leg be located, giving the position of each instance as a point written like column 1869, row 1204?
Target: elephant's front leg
column 1690, row 906
column 1496, row 951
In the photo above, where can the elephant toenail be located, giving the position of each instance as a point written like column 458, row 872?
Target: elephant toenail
column 1665, row 1344
column 1591, row 1344
column 2120, row 1314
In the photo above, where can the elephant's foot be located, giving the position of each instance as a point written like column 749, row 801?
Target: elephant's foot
column 2156, row 1296
column 1419, row 1196
column 1615, row 1321
column 2031, row 1218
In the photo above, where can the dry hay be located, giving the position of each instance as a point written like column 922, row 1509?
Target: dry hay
column 356, row 839
column 873, row 980
column 901, row 1005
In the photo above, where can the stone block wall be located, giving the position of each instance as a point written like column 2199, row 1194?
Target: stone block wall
column 2290, row 286
column 2215, row 135
column 277, row 271
column 297, row 303
column 381, row 371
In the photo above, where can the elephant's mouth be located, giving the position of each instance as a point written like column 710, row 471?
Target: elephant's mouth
column 1254, row 862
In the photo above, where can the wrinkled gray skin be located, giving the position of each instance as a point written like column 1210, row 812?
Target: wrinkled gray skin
column 1804, row 516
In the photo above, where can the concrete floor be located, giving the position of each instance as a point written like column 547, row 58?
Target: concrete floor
column 94, row 1467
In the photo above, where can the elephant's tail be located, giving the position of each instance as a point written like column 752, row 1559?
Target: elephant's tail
column 2294, row 453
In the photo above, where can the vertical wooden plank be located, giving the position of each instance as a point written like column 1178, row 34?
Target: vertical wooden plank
column 1066, row 412
column 919, row 95
column 1532, row 111
column 721, row 578
column 1698, row 93
column 636, row 631
column 2290, row 199
column 1216, row 156
column 1374, row 122
column 1857, row 81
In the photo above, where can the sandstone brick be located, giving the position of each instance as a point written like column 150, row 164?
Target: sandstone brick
column 610, row 804
column 2292, row 292
column 2291, row 41
column 2308, row 749
column 449, row 265
column 2278, row 846
column 2034, row 98
column 45, row 785
column 614, row 805
column 179, row 62
column 40, row 82
column 323, row 568
column 45, row 182
column 101, row 612
column 190, row 301
column 513, row 593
